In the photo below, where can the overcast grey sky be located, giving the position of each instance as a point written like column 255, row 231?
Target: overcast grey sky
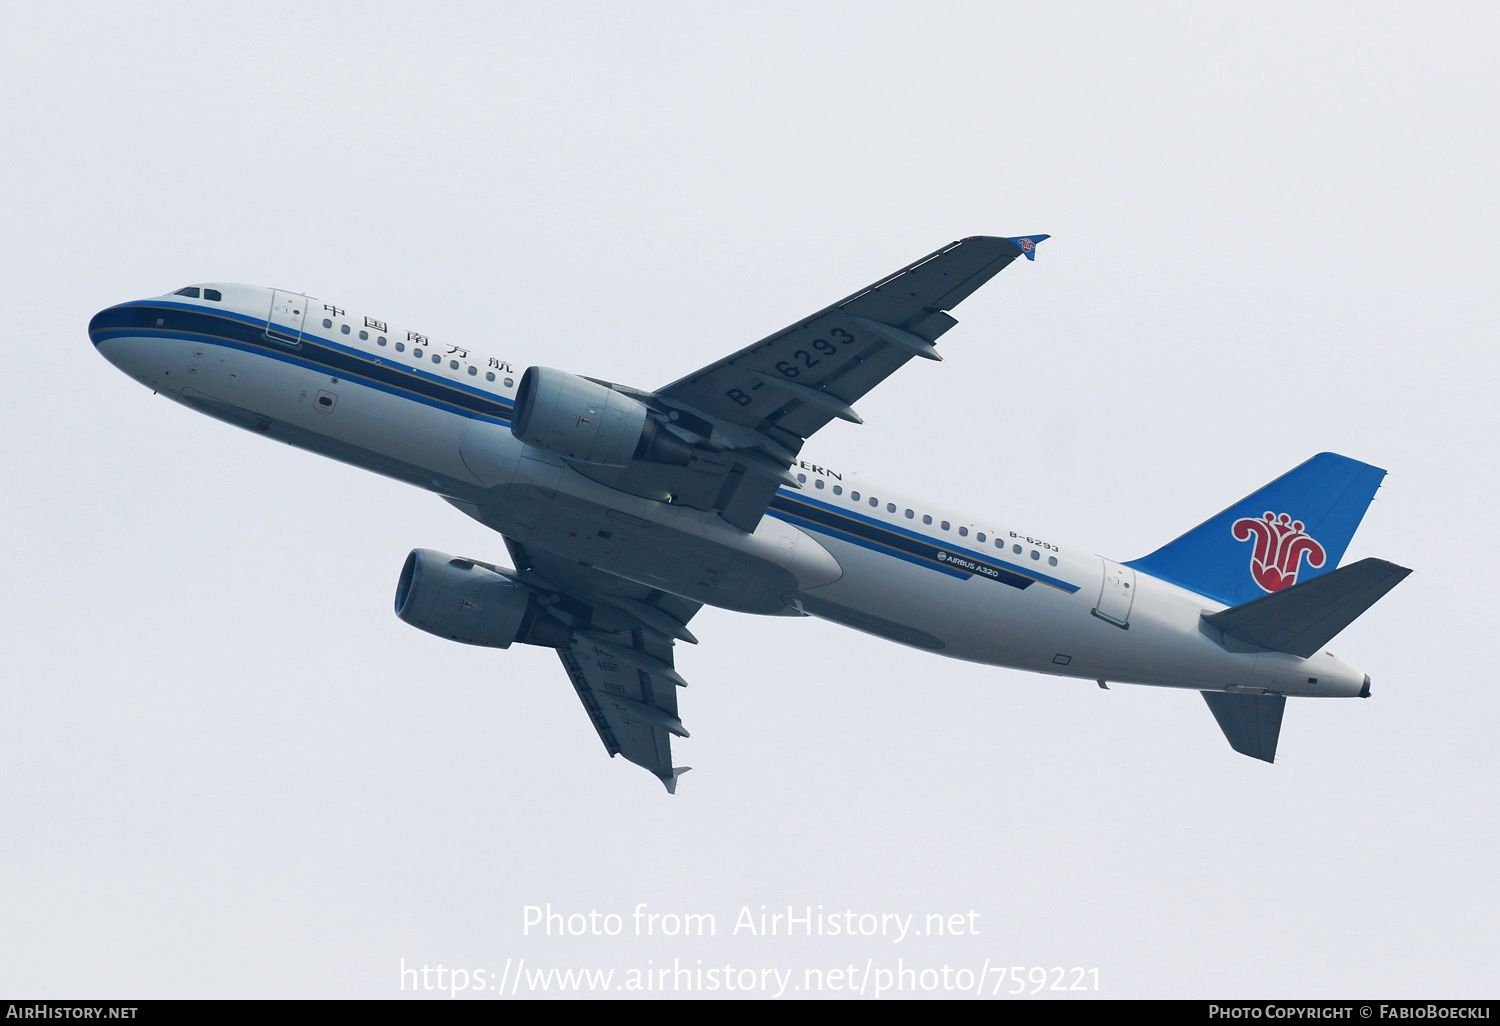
column 226, row 769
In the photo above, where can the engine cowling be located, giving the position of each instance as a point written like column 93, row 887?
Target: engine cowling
column 465, row 601
column 582, row 420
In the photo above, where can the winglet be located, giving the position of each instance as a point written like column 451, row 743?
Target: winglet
column 671, row 781
column 1027, row 244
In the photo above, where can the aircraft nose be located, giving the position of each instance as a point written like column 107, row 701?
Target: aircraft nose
column 99, row 322
column 109, row 331
column 111, row 322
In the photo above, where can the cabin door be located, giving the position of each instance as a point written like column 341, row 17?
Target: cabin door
column 288, row 312
column 1116, row 595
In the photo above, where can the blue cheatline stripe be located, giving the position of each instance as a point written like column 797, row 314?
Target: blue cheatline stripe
column 904, row 544
column 312, row 352
column 884, row 550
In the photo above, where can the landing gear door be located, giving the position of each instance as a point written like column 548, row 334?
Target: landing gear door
column 288, row 312
column 1117, row 594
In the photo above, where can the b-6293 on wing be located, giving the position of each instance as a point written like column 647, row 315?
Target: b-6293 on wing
column 624, row 510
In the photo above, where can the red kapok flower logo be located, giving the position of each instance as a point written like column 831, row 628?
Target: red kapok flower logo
column 1280, row 544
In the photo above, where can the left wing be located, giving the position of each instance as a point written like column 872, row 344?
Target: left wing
column 792, row 383
column 620, row 657
column 744, row 418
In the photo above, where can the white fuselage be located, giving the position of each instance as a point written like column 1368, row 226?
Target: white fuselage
column 840, row 547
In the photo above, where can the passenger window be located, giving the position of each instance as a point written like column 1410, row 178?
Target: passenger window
column 453, row 365
column 400, row 347
column 1051, row 560
column 508, row 381
column 874, row 501
column 944, row 525
column 380, row 341
column 344, row 328
column 926, row 519
column 213, row 294
column 1016, row 549
column 909, row 514
column 489, row 375
column 981, row 537
column 327, row 323
column 436, row 358
column 191, row 292
column 890, row 507
column 364, row 336
column 473, row 370
column 818, row 482
column 1035, row 554
column 838, row 490
column 963, row 532
column 802, row 479
column 853, row 496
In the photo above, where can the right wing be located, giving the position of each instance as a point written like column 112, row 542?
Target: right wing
column 620, row 657
column 634, row 710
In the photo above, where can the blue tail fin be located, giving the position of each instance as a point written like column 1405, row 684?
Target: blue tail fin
column 1294, row 528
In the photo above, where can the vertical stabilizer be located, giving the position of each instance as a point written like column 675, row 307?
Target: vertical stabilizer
column 1294, row 528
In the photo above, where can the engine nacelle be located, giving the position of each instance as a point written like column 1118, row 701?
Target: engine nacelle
column 464, row 601
column 582, row 420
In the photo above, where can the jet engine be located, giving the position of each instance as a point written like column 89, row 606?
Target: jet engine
column 465, row 601
column 582, row 420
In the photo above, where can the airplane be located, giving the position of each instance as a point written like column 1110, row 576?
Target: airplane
column 624, row 511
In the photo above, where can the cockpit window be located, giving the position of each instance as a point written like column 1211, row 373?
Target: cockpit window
column 191, row 292
column 213, row 294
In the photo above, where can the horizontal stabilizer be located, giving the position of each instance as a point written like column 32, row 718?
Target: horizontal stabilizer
column 1251, row 723
column 1305, row 617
